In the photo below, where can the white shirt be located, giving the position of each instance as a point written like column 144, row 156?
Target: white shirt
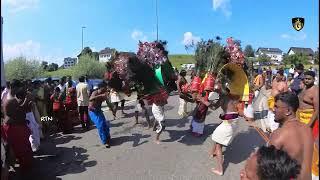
column 82, row 94
column 291, row 70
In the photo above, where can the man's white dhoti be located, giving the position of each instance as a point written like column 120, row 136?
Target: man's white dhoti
column 35, row 131
column 271, row 123
column 182, row 111
column 224, row 133
column 158, row 112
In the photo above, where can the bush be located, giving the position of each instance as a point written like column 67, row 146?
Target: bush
column 87, row 65
column 22, row 69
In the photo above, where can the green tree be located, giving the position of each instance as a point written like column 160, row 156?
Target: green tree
column 263, row 58
column 87, row 65
column 21, row 68
column 296, row 59
column 316, row 57
column 248, row 51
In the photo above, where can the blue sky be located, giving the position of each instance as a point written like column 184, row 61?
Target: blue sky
column 51, row 29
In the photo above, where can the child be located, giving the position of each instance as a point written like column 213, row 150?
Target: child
column 57, row 106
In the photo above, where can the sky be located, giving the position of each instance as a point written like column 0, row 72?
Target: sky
column 51, row 30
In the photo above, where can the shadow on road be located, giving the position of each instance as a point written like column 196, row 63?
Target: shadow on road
column 242, row 146
column 54, row 161
column 135, row 138
column 185, row 136
column 62, row 139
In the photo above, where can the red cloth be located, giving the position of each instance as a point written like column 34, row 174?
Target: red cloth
column 56, row 103
column 315, row 129
column 17, row 137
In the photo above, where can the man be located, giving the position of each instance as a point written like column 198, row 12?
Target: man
column 62, row 85
column 309, row 102
column 295, row 86
column 70, row 83
column 291, row 71
column 15, row 130
column 5, row 91
column 279, row 85
column 292, row 136
column 269, row 163
column 83, row 102
column 180, row 82
column 258, row 83
column 224, row 133
column 96, row 114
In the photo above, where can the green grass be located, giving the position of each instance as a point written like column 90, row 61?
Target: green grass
column 58, row 73
column 178, row 59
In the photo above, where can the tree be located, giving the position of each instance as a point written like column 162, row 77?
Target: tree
column 296, row 59
column 248, row 51
column 87, row 65
column 44, row 65
column 21, row 68
column 88, row 51
column 316, row 57
column 263, row 58
column 53, row 67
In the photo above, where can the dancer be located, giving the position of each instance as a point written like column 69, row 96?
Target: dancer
column 183, row 103
column 96, row 114
column 224, row 133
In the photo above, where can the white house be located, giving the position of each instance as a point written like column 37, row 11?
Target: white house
column 69, row 62
column 299, row 50
column 274, row 53
column 105, row 54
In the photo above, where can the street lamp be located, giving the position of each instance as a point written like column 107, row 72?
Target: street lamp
column 157, row 18
column 82, row 35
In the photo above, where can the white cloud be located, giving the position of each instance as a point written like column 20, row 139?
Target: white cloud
column 138, row 36
column 19, row 5
column 189, row 38
column 223, row 5
column 31, row 50
column 298, row 36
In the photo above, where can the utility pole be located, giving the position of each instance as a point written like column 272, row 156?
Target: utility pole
column 3, row 78
column 82, row 36
column 157, row 19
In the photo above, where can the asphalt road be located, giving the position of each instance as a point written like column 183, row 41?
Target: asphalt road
column 134, row 155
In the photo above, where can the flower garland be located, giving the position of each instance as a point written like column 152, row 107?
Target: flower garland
column 236, row 55
column 152, row 53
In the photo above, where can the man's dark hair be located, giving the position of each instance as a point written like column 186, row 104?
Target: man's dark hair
column 300, row 67
column 57, row 89
column 274, row 164
column 280, row 71
column 102, row 85
column 81, row 79
column 16, row 84
column 310, row 73
column 290, row 99
column 8, row 84
column 182, row 72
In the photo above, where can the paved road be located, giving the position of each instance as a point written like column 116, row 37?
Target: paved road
column 134, row 155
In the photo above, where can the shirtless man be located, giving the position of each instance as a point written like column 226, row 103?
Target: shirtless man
column 224, row 133
column 96, row 114
column 180, row 82
column 279, row 85
column 309, row 101
column 292, row 136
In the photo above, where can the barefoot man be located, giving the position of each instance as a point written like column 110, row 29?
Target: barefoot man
column 224, row 133
column 292, row 136
column 279, row 85
column 96, row 114
column 309, row 103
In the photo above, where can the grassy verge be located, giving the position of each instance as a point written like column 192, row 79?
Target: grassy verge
column 178, row 59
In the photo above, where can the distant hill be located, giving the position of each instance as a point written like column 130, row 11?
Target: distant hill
column 178, row 59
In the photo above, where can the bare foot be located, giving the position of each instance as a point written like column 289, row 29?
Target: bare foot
column 211, row 154
column 157, row 141
column 220, row 173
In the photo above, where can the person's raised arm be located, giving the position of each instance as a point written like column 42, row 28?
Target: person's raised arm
column 315, row 101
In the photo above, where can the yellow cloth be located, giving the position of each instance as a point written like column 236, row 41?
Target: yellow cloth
column 315, row 161
column 256, row 81
column 271, row 102
column 304, row 115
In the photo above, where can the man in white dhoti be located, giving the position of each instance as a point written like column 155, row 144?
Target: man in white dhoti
column 224, row 133
column 182, row 111
column 159, row 124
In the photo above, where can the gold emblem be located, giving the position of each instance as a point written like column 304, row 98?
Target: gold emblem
column 298, row 23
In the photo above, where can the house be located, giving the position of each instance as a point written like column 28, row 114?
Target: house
column 69, row 62
column 299, row 50
column 105, row 54
column 274, row 53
